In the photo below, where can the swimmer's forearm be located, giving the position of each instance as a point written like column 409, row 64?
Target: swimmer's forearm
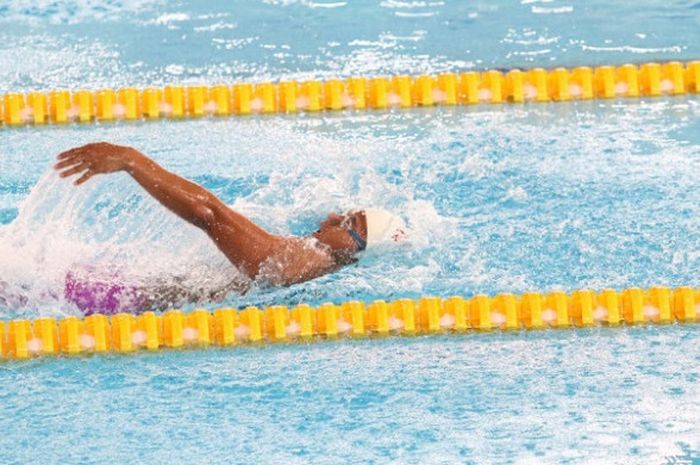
column 246, row 244
column 188, row 200
column 185, row 198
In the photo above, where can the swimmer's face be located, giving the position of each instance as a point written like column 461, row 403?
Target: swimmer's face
column 333, row 231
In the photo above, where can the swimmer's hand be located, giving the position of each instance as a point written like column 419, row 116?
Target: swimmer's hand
column 248, row 246
column 92, row 159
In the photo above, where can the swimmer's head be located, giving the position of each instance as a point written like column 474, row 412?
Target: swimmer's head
column 383, row 227
column 344, row 233
column 352, row 232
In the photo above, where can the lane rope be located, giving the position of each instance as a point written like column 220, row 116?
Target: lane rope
column 356, row 93
column 173, row 329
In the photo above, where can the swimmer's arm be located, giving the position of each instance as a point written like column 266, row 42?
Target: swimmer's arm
column 246, row 244
column 188, row 200
column 231, row 231
column 241, row 240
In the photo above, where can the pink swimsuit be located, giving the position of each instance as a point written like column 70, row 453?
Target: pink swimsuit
column 106, row 295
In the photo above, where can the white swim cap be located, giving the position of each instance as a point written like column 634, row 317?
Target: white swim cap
column 383, row 226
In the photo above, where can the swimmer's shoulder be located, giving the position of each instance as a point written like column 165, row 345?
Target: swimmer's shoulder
column 296, row 260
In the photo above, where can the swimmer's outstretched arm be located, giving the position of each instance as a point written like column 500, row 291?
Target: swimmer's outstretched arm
column 246, row 244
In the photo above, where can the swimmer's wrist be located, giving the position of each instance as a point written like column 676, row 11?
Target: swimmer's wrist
column 132, row 159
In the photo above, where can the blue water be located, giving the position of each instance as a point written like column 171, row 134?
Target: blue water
column 603, row 396
column 90, row 43
column 497, row 199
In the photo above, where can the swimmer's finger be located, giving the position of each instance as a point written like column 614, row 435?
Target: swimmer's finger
column 87, row 175
column 74, row 170
column 64, row 155
column 70, row 153
column 72, row 159
column 66, row 163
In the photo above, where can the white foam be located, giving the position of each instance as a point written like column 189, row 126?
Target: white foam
column 107, row 226
column 110, row 223
column 72, row 12
column 551, row 10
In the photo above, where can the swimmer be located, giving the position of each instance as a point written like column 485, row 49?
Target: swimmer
column 259, row 254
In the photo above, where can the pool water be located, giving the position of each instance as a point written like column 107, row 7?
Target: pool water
column 601, row 396
column 88, row 43
column 497, row 199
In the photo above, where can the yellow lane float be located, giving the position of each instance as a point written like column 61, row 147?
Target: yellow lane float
column 354, row 93
column 173, row 329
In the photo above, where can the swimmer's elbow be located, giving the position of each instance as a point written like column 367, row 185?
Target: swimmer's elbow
column 204, row 217
column 212, row 213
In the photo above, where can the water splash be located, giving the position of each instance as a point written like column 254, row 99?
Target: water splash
column 109, row 231
column 114, row 239
column 497, row 201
